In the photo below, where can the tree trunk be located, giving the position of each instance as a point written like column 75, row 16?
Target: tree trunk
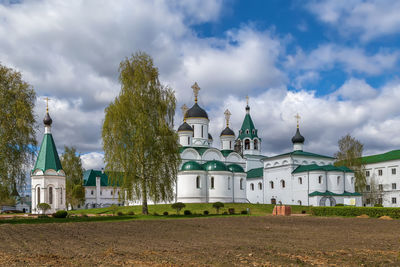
column 145, row 209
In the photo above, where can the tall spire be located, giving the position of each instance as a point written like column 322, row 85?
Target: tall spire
column 227, row 117
column 196, row 90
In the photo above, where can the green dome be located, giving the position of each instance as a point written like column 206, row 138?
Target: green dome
column 215, row 165
column 191, row 166
column 235, row 168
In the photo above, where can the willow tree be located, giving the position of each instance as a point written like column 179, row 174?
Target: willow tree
column 141, row 150
column 72, row 166
column 17, row 132
column 350, row 155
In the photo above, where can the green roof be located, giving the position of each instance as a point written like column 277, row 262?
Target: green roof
column 226, row 152
column 302, row 153
column 201, row 150
column 215, row 165
column 255, row 173
column 89, row 178
column 247, row 125
column 391, row 155
column 48, row 156
column 329, row 193
column 315, row 167
column 235, row 168
column 192, row 166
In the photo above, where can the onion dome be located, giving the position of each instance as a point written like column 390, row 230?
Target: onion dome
column 298, row 138
column 227, row 131
column 235, row 168
column 192, row 166
column 210, row 137
column 47, row 120
column 185, row 128
column 215, row 165
column 196, row 112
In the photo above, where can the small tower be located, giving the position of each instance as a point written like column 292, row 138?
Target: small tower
column 248, row 136
column 298, row 139
column 227, row 135
column 185, row 131
column 48, row 177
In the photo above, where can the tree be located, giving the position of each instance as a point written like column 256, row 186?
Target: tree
column 43, row 207
column 72, row 166
column 17, row 132
column 350, row 155
column 217, row 206
column 140, row 146
column 178, row 206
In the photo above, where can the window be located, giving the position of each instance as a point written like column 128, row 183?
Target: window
column 101, row 192
column 229, row 183
column 247, row 131
column 50, row 195
column 212, row 182
column 198, row 182
column 247, row 144
column 252, row 187
column 230, row 144
column 112, row 192
column 393, row 170
column 61, row 197
column 380, row 201
column 38, row 195
column 283, row 183
column 300, row 180
column 368, row 201
column 299, row 202
column 367, row 173
column 202, row 131
column 255, row 144
column 380, row 187
column 380, row 172
column 394, row 186
column 188, row 140
column 367, row 188
column 241, row 184
column 260, row 186
column 320, row 179
column 271, row 184
column 352, row 180
column 92, row 192
column 338, row 180
column 394, row 200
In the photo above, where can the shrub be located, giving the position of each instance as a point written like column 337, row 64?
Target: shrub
column 378, row 205
column 131, row 213
column 43, row 207
column 165, row 213
column 120, row 213
column 231, row 211
column 225, row 213
column 84, row 215
column 303, row 212
column 348, row 211
column 60, row 214
column 205, row 212
column 178, row 206
column 339, row 205
column 243, row 212
column 218, row 205
column 156, row 214
column 42, row 216
column 114, row 209
column 187, row 212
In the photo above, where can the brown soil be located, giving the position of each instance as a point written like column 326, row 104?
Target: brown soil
column 253, row 241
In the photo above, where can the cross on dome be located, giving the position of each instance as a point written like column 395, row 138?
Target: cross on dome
column 184, row 109
column 227, row 117
column 298, row 119
column 196, row 90
column 47, row 103
column 247, row 100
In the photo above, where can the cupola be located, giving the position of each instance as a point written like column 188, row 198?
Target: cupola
column 298, row 139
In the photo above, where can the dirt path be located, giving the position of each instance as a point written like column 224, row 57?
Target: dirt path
column 252, row 241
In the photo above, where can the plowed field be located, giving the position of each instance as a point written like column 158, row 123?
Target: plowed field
column 226, row 241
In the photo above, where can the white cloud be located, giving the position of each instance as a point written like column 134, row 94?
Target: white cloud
column 93, row 160
column 355, row 90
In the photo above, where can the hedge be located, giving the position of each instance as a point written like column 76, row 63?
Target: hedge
column 375, row 212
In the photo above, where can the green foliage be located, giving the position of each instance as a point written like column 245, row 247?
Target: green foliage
column 243, row 212
column 378, row 205
column 347, row 211
column 165, row 213
column 231, row 211
column 178, row 206
column 349, row 155
column 225, row 213
column 187, row 212
column 339, row 205
column 218, row 205
column 43, row 207
column 120, row 213
column 131, row 213
column 60, row 214
column 72, row 166
column 138, row 136
column 206, row 212
column 114, row 209
column 17, row 133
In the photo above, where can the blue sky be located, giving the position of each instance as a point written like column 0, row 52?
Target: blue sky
column 334, row 62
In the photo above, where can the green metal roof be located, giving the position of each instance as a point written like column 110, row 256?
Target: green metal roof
column 226, row 152
column 255, row 173
column 192, row 166
column 200, row 150
column 215, row 165
column 235, row 168
column 48, row 156
column 247, row 125
column 329, row 193
column 391, row 155
column 315, row 167
column 302, row 153
column 89, row 178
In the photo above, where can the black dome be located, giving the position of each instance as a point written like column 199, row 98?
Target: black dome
column 227, row 131
column 297, row 138
column 196, row 112
column 185, row 127
column 210, row 137
column 47, row 120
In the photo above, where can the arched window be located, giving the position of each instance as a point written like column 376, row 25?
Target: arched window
column 241, row 184
column 61, row 196
column 50, row 195
column 255, row 144
column 320, row 179
column 38, row 195
column 229, row 183
column 283, row 183
column 230, row 144
column 271, row 184
column 247, row 131
column 338, row 180
column 188, row 140
column 91, row 192
column 247, row 144
column 260, row 186
column 252, row 187
column 202, row 130
column 198, row 182
column 254, row 131
column 300, row 180
column 212, row 182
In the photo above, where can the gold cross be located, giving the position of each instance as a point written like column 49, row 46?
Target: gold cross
column 47, row 103
column 227, row 117
column 196, row 90
column 298, row 119
column 184, row 110
column 247, row 99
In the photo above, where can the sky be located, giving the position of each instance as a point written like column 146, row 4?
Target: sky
column 334, row 62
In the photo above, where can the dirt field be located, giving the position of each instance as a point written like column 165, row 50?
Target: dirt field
column 226, row 241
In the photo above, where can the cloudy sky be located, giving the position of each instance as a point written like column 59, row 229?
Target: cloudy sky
column 334, row 62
